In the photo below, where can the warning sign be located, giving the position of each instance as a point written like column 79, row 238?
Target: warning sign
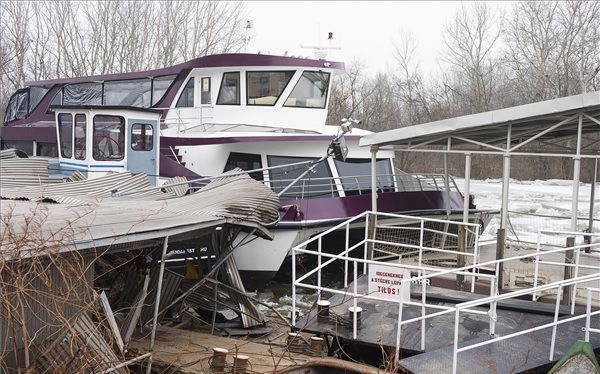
column 386, row 282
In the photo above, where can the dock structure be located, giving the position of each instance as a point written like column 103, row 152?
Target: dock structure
column 379, row 320
column 420, row 318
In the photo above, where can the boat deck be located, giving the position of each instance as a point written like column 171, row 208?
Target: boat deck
column 380, row 320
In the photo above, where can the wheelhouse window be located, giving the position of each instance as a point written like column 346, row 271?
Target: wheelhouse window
column 318, row 183
column 245, row 161
column 355, row 175
column 229, row 93
column 135, row 92
column 83, row 94
column 205, row 90
column 142, row 137
column 80, row 138
column 65, row 133
column 310, row 91
column 108, row 138
column 187, row 95
column 265, row 87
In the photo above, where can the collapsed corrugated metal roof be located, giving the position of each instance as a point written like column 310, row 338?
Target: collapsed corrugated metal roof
column 29, row 179
column 89, row 217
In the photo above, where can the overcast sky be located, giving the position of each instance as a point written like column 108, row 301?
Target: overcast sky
column 365, row 30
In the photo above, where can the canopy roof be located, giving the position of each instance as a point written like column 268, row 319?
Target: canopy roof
column 543, row 123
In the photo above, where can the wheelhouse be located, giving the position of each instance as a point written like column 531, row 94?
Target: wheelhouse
column 97, row 140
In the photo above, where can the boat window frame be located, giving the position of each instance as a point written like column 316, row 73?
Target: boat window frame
column 290, row 194
column 363, row 182
column 205, row 95
column 58, row 98
column 96, row 139
column 248, row 80
column 143, row 141
column 173, row 78
column 24, row 92
column 296, row 86
column 185, row 94
column 97, row 94
column 65, row 126
column 235, row 158
column 238, row 89
column 79, row 145
column 146, row 81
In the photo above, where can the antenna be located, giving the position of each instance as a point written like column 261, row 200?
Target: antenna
column 322, row 51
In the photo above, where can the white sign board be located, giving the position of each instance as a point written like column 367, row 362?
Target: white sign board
column 385, row 281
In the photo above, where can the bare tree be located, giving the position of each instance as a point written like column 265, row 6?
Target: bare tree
column 470, row 39
column 348, row 93
column 553, row 48
column 61, row 38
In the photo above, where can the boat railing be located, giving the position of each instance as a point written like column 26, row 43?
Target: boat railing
column 484, row 305
column 361, row 185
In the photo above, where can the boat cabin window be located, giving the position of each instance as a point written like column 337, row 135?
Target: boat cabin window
column 205, row 90
column 80, row 126
column 160, row 85
column 65, row 133
column 355, row 175
column 46, row 149
column 310, row 91
column 108, row 138
column 318, row 183
column 229, row 93
column 83, row 94
column 265, row 87
column 245, row 161
column 36, row 94
column 17, row 107
column 135, row 92
column 141, row 93
column 24, row 102
column 25, row 146
column 142, row 137
column 187, row 95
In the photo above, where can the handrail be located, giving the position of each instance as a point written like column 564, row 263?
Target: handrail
column 327, row 186
column 427, row 272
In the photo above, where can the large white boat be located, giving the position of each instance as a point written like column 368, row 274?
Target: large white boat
column 252, row 111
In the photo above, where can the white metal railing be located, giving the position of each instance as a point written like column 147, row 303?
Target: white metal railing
column 588, row 310
column 577, row 253
column 361, row 184
column 426, row 272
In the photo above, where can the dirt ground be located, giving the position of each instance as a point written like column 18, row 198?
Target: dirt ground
column 190, row 350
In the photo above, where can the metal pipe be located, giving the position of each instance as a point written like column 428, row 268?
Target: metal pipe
column 157, row 302
column 467, row 189
column 374, row 179
column 592, row 198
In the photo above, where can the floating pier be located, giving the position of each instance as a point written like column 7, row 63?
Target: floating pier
column 417, row 318
column 379, row 322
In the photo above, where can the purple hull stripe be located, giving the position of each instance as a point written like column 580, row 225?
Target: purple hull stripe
column 389, row 202
column 166, row 141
